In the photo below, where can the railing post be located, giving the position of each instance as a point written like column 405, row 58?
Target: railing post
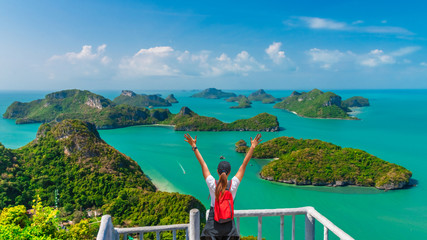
column 259, row 228
column 106, row 229
column 282, row 226
column 309, row 227
column 238, row 224
column 194, row 228
column 325, row 233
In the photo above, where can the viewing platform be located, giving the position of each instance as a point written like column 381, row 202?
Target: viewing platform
column 108, row 232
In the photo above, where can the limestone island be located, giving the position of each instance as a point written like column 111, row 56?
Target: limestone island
column 69, row 160
column 319, row 163
column 262, row 96
column 242, row 100
column 213, row 93
column 356, row 101
column 171, row 99
column 141, row 100
column 105, row 114
column 318, row 104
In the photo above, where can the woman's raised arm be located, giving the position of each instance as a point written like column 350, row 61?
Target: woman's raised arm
column 248, row 156
column 199, row 157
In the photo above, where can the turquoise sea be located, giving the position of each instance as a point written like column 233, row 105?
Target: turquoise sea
column 393, row 128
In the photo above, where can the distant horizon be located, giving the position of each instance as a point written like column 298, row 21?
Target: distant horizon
column 191, row 45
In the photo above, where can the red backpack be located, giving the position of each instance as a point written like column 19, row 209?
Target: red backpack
column 224, row 206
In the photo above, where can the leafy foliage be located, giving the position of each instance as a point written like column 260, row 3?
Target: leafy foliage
column 44, row 224
column 71, row 158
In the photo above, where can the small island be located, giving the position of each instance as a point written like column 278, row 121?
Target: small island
column 71, row 160
column 262, row 96
column 242, row 100
column 318, row 104
column 213, row 93
column 105, row 114
column 171, row 99
column 314, row 162
column 356, row 101
column 187, row 120
column 141, row 100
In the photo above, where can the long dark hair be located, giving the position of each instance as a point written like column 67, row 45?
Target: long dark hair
column 221, row 185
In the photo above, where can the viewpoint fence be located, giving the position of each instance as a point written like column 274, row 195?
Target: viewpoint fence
column 108, row 232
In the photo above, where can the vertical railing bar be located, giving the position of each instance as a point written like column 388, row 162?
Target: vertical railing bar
column 141, row 236
column 259, row 228
column 158, row 235
column 325, row 233
column 293, row 227
column 282, row 227
column 238, row 224
column 186, row 234
column 125, row 236
column 174, row 234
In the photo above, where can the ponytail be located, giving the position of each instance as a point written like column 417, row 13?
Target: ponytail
column 221, row 185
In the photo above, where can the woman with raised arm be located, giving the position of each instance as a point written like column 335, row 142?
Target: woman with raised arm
column 220, row 224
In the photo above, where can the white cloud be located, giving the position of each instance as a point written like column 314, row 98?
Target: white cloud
column 85, row 54
column 242, row 64
column 154, row 61
column 325, row 57
column 323, row 23
column 330, row 24
column 165, row 61
column 357, row 22
column 88, row 63
column 273, row 51
column 378, row 57
column 424, row 64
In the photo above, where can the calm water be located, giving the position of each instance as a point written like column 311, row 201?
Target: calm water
column 393, row 128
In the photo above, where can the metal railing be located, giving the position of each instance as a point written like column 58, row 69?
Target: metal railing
column 108, row 232
column 310, row 215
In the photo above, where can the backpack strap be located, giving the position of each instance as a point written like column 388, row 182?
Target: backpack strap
column 228, row 185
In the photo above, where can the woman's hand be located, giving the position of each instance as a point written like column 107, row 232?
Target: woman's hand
column 256, row 140
column 190, row 140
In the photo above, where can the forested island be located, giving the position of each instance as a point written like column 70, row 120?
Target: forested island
column 259, row 95
column 141, row 100
column 318, row 104
column 315, row 162
column 243, row 101
column 68, row 161
column 105, row 114
column 213, row 93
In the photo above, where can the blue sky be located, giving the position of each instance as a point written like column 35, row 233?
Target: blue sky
column 54, row 45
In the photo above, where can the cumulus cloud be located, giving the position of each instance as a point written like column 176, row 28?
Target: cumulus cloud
column 165, row 61
column 424, row 64
column 330, row 24
column 273, row 51
column 377, row 57
column 90, row 62
column 85, row 54
column 154, row 61
column 243, row 63
column 325, row 57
